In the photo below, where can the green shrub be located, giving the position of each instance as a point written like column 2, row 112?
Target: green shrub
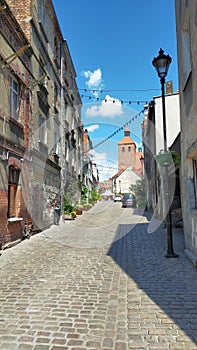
column 139, row 191
column 88, row 205
column 68, row 207
column 78, row 206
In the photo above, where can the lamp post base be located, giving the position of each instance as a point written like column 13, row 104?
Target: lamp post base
column 171, row 255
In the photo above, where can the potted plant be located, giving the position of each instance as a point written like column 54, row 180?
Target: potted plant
column 79, row 209
column 87, row 206
column 69, row 212
column 167, row 158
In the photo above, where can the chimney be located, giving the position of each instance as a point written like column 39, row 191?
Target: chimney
column 169, row 89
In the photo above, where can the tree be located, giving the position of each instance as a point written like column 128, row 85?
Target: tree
column 94, row 195
column 140, row 193
column 84, row 194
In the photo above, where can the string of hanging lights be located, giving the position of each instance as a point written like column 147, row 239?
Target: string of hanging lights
column 123, row 102
column 96, row 92
column 116, row 90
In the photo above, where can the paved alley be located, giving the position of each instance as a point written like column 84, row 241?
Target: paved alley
column 98, row 282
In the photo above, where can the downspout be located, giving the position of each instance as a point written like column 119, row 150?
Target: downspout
column 61, row 134
column 26, row 161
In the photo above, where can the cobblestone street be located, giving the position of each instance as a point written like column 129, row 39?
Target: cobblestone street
column 98, row 282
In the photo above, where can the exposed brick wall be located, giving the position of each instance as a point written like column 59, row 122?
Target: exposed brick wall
column 14, row 231
column 3, row 215
column 21, row 10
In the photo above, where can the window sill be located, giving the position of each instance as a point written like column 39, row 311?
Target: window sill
column 15, row 219
column 193, row 211
column 16, row 122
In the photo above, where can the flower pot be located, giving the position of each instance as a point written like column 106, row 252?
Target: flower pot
column 79, row 211
column 68, row 217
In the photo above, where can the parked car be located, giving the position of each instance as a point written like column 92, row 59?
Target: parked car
column 128, row 200
column 118, row 198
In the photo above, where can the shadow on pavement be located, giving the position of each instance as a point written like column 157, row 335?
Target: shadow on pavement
column 169, row 283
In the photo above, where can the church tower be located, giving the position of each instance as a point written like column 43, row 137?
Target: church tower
column 126, row 151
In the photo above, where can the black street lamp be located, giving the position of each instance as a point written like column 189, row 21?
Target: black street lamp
column 119, row 186
column 142, row 164
column 161, row 64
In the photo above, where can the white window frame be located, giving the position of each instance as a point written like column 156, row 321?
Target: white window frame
column 12, row 191
column 42, row 130
column 56, row 143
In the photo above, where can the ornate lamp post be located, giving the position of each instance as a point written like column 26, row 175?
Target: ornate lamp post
column 142, row 164
column 119, row 186
column 161, row 64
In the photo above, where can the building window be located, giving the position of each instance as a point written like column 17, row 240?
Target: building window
column 56, row 49
column 195, row 181
column 41, row 5
column 186, row 49
column 129, row 149
column 14, row 98
column 41, row 67
column 56, row 143
column 42, row 130
column 192, row 182
column 66, row 152
column 55, row 101
column 12, row 191
column 123, row 149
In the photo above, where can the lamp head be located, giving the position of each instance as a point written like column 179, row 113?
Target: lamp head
column 162, row 63
column 142, row 160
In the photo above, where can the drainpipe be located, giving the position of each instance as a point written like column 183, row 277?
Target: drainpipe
column 61, row 131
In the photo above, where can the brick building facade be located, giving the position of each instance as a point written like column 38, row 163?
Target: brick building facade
column 41, row 144
column 15, row 65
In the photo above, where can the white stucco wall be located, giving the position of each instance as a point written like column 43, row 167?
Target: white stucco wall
column 127, row 178
column 172, row 120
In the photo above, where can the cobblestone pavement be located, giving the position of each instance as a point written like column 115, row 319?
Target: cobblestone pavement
column 98, row 282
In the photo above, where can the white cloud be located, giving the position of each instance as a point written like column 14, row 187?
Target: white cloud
column 91, row 128
column 94, row 78
column 110, row 107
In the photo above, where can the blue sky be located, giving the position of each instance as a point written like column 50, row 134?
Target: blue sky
column 112, row 44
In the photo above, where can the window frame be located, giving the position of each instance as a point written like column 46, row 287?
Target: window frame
column 42, row 130
column 14, row 93
column 186, row 49
column 41, row 6
column 194, row 166
column 14, row 174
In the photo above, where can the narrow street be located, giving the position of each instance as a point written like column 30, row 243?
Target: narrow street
column 98, row 282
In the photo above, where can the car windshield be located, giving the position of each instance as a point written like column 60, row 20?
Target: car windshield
column 128, row 196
